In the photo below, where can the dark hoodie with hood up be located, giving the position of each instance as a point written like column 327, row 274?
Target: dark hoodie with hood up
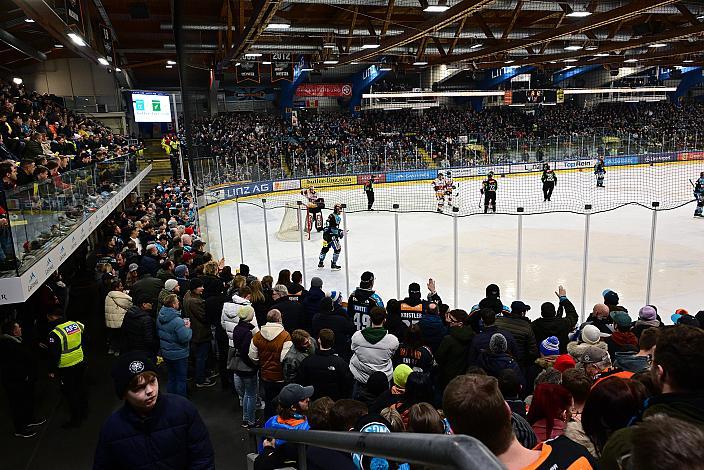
column 452, row 355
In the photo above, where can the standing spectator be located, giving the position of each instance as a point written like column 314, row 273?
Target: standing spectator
column 181, row 273
column 296, row 291
column 372, row 350
column 18, row 374
column 639, row 361
column 170, row 287
column 138, row 329
column 452, row 355
column 552, row 323
column 589, row 336
column 245, row 370
column 174, row 337
column 291, row 312
column 132, row 277
column 511, row 389
column 164, row 430
column 260, row 301
column 549, row 411
column 268, row 348
column 230, row 316
column 194, row 309
column 611, row 300
column 599, row 317
column 166, row 271
column 432, row 327
column 495, row 359
column 147, row 287
column 578, row 384
column 302, row 348
column 622, row 339
column 473, row 405
column 413, row 352
column 311, row 302
column 647, row 318
column 334, row 317
column 150, row 261
column 66, row 361
column 492, row 300
column 363, row 300
column 327, row 372
column 516, row 323
column 284, row 278
column 244, row 271
column 481, row 341
column 660, row 444
column 117, row 302
column 678, row 369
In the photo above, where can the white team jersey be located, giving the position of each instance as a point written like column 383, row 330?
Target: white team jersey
column 312, row 196
column 449, row 184
column 439, row 184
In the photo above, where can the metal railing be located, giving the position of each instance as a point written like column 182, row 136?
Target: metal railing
column 458, row 452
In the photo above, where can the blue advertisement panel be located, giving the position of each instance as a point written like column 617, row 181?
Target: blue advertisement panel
column 248, row 189
column 659, row 157
column 627, row 160
column 395, row 176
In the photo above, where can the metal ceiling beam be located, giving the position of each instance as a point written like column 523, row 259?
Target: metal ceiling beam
column 387, row 20
column 514, row 17
column 458, row 32
column 199, row 27
column 21, row 46
column 262, row 14
column 482, row 24
column 625, row 12
column 453, row 15
column 687, row 14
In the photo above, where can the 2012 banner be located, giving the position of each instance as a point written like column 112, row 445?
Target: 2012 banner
column 324, row 89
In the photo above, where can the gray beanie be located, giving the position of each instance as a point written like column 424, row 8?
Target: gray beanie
column 497, row 343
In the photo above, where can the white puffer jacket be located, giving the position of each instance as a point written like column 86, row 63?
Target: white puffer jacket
column 230, row 316
column 116, row 305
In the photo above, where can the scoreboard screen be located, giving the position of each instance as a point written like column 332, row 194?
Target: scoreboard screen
column 533, row 97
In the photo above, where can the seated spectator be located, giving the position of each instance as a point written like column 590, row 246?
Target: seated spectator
column 418, row 389
column 333, row 317
column 303, row 347
column 549, row 411
column 516, row 323
column 292, row 404
column 452, row 355
column 678, row 366
column 622, row 339
column 647, row 318
column 413, row 352
column 473, row 405
column 320, row 413
column 372, row 350
column 328, row 373
column 164, row 429
column 610, row 406
column 639, row 361
column 552, row 323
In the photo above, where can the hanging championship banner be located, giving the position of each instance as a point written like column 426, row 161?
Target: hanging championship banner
column 106, row 41
column 324, row 89
column 74, row 15
column 248, row 72
column 281, row 67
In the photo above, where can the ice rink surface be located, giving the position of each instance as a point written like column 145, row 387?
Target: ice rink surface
column 553, row 243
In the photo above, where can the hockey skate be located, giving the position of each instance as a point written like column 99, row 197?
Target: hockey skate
column 335, row 267
column 320, row 264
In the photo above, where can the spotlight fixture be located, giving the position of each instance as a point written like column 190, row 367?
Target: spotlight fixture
column 578, row 14
column 118, row 69
column 278, row 23
column 169, row 66
column 76, row 39
column 657, row 45
column 266, row 62
column 570, row 60
column 630, row 61
column 17, row 81
column 59, row 46
column 253, row 54
column 420, row 63
column 330, row 62
column 687, row 61
column 28, row 20
column 171, row 62
column 103, row 61
column 573, row 47
column 438, row 8
column 601, row 54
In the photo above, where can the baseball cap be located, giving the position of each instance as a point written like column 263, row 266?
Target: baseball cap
column 519, row 307
column 133, row 267
column 592, row 355
column 293, row 393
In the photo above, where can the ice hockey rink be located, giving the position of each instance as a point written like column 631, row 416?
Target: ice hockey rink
column 552, row 243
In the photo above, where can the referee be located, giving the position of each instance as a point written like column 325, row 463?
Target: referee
column 369, row 190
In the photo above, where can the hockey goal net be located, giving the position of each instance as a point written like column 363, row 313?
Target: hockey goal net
column 288, row 230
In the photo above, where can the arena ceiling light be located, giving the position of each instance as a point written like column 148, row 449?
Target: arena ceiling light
column 385, row 68
column 169, row 66
column 420, row 63
column 657, row 45
column 59, row 46
column 438, row 8
column 570, row 60
column 76, row 39
column 687, row 61
column 329, row 45
column 171, row 62
column 118, row 69
column 573, row 47
column 266, row 62
column 28, row 20
column 510, row 61
column 253, row 54
column 278, row 23
column 476, row 46
column 591, row 48
column 103, row 61
column 630, row 61
column 17, row 81
column 602, row 54
column 330, row 62
column 305, row 69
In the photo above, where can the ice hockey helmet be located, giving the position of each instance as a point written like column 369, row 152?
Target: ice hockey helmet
column 546, row 166
column 490, row 174
column 440, row 173
column 449, row 174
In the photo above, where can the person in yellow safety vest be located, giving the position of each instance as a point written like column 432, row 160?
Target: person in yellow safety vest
column 413, row 307
column 166, row 145
column 66, row 361
column 174, row 143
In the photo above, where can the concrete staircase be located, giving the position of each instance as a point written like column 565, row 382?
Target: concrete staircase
column 161, row 166
column 284, row 165
column 425, row 156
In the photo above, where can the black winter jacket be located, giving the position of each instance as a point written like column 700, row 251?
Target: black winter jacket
column 173, row 436
column 147, row 287
column 328, row 373
column 291, row 314
column 452, row 355
column 557, row 326
column 138, row 332
column 519, row 326
column 341, row 324
column 311, row 306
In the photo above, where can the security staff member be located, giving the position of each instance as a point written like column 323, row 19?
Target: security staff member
column 67, row 362
column 369, row 190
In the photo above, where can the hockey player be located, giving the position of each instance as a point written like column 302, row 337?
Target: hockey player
column 362, row 300
column 439, row 187
column 331, row 238
column 600, row 171
column 450, row 187
column 549, row 180
column 369, row 191
column 315, row 205
column 489, row 186
column 699, row 195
